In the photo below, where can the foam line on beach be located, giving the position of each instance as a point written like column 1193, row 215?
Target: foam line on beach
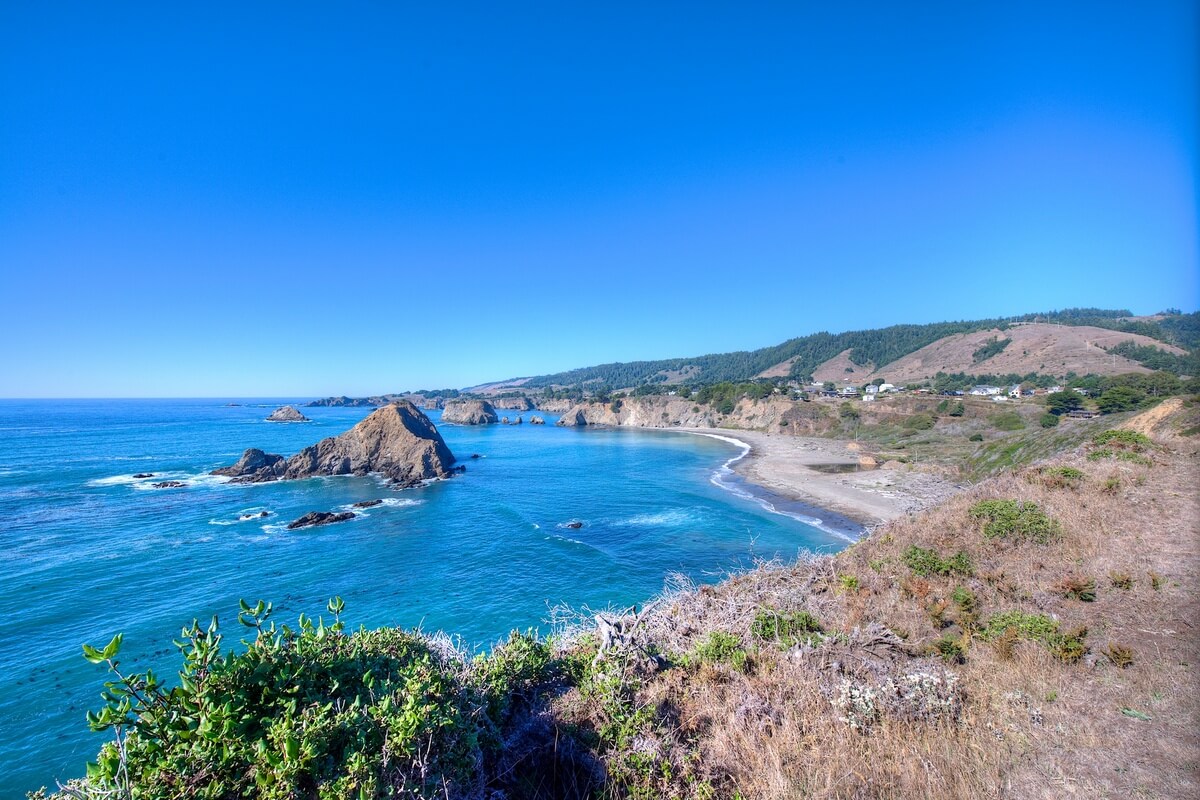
column 720, row 476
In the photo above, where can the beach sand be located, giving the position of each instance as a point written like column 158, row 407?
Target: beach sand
column 787, row 465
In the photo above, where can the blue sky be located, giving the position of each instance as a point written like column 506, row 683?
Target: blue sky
column 305, row 199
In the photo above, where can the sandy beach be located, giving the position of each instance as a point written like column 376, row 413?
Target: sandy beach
column 792, row 466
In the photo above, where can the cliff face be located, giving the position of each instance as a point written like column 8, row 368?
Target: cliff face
column 514, row 403
column 675, row 412
column 470, row 412
column 397, row 441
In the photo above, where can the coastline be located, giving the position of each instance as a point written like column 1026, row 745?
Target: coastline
column 786, row 466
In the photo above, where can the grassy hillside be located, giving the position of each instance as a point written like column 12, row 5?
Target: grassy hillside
column 1033, row 637
column 867, row 348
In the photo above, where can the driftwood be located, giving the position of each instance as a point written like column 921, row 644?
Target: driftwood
column 619, row 633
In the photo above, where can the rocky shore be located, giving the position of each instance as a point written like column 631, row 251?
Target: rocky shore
column 396, row 441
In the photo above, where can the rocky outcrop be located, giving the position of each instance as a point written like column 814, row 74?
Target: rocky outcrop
column 513, row 403
column 555, row 406
column 367, row 503
column 140, row 475
column 536, row 420
column 396, row 441
column 347, row 402
column 287, row 414
column 469, row 412
column 255, row 466
column 169, row 485
column 320, row 518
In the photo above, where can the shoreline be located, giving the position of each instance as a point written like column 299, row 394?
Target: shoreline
column 784, row 465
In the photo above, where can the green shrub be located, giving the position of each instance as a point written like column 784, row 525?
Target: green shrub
column 721, row 648
column 1056, row 477
column 929, row 562
column 1008, row 421
column 313, row 712
column 1048, row 420
column 786, row 629
column 512, row 668
column 1007, row 626
column 1122, row 438
column 1121, row 580
column 975, row 437
column 848, row 583
column 950, row 648
column 958, row 410
column 964, row 598
column 1121, row 455
column 919, row 422
column 1005, row 519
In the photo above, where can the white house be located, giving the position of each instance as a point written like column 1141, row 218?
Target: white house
column 872, row 390
column 985, row 391
column 886, row 387
column 1014, row 391
column 1053, row 389
column 869, row 397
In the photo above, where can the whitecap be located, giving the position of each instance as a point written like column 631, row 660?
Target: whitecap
column 673, row 517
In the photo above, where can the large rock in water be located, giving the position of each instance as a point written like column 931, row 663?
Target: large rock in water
column 287, row 414
column 469, row 412
column 396, row 441
column 255, row 466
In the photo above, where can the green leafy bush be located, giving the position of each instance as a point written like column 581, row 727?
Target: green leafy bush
column 721, row 648
column 1004, row 519
column 975, row 437
column 312, row 712
column 929, row 562
column 786, row 629
column 1048, row 420
column 1008, row 625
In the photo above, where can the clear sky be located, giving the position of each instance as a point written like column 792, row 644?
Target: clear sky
column 295, row 199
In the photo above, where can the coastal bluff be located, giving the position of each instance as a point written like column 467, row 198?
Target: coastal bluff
column 396, row 441
column 470, row 412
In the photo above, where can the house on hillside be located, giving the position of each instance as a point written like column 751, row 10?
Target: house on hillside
column 1054, row 389
column 886, row 387
column 872, row 390
column 984, row 391
column 869, row 397
column 1014, row 391
column 848, row 391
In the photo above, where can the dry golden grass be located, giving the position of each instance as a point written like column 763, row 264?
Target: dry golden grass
column 1020, row 723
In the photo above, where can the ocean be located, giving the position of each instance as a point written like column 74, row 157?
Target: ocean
column 87, row 550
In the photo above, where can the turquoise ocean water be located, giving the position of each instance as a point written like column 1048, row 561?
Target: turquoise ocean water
column 87, row 551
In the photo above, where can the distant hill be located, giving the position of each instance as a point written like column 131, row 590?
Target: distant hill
column 1079, row 340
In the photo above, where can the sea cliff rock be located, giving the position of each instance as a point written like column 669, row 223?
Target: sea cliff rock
column 536, row 420
column 470, row 412
column 287, row 414
column 320, row 518
column 254, row 466
column 513, row 403
column 396, row 441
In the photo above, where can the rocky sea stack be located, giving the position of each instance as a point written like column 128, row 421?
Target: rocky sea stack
column 396, row 441
column 470, row 412
column 287, row 414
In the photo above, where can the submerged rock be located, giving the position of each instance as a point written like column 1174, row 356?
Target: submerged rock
column 469, row 412
column 320, row 518
column 396, row 441
column 144, row 475
column 169, row 485
column 574, row 525
column 366, row 503
column 287, row 414
column 259, row 515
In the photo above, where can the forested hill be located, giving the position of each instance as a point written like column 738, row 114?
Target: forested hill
column 877, row 347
